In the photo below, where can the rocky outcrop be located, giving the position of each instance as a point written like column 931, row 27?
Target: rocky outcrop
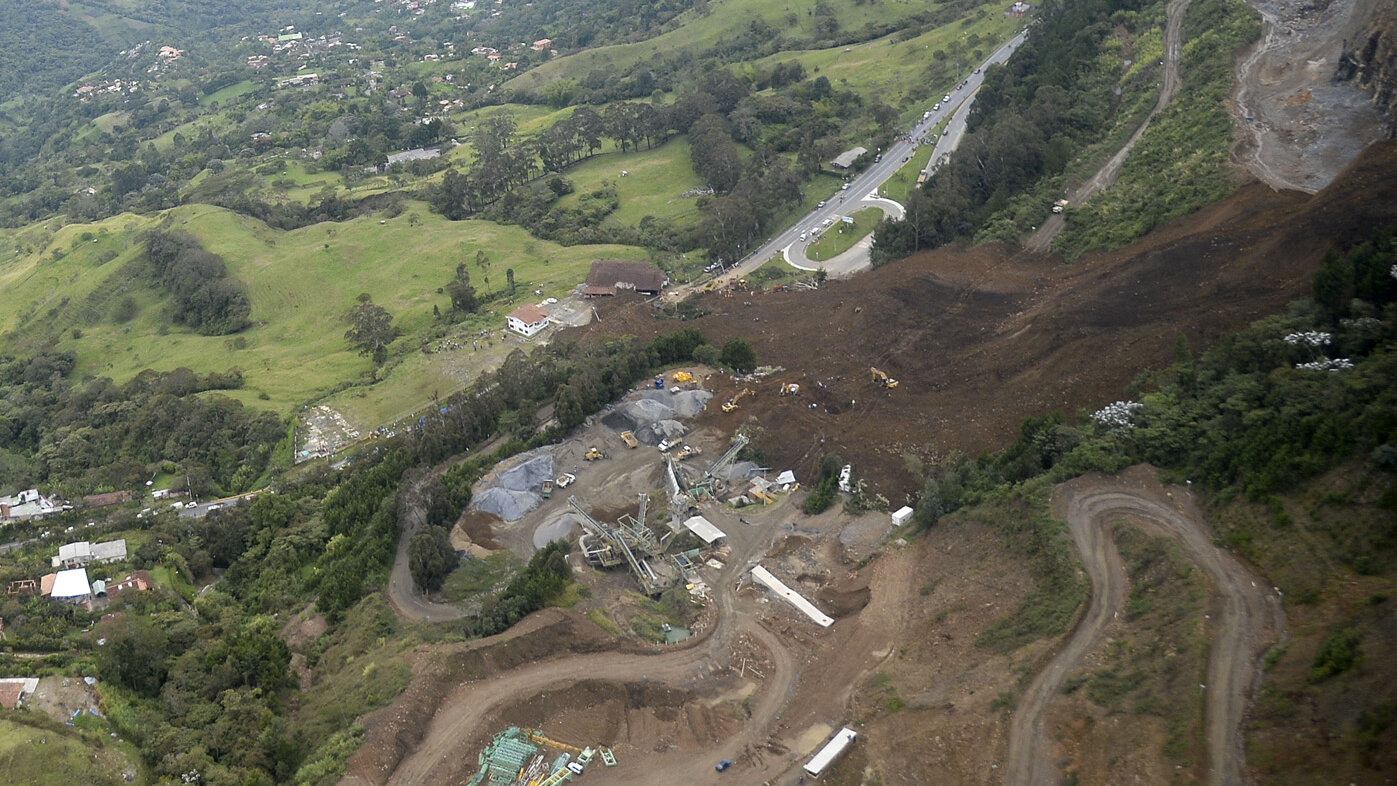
column 1370, row 61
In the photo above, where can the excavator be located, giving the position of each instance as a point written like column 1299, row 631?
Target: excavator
column 731, row 404
column 883, row 379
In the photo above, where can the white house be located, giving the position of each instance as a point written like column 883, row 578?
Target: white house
column 527, row 320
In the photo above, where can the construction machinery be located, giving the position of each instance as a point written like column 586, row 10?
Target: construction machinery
column 631, row 543
column 731, row 404
column 547, row 490
column 791, row 389
column 710, row 485
column 687, row 451
column 628, row 437
column 566, row 479
column 593, row 454
column 883, row 379
column 681, row 377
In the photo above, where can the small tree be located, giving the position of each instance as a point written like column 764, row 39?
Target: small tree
column 370, row 329
column 430, row 558
column 461, row 292
column 739, row 355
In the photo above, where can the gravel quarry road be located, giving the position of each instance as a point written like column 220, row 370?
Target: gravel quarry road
column 1251, row 619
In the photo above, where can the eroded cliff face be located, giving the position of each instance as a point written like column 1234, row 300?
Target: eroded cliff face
column 1370, row 61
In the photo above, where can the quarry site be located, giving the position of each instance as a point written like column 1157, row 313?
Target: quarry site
column 755, row 684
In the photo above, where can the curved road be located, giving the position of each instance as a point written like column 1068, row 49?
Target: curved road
column 871, row 179
column 1251, row 618
column 1104, row 177
column 856, row 257
column 471, row 704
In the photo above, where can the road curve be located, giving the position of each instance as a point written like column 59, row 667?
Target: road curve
column 470, row 705
column 1250, row 621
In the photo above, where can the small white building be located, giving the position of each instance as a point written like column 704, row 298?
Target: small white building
column 527, row 320
column 705, row 530
column 901, row 516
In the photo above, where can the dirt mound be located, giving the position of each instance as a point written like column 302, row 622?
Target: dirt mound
column 981, row 338
column 478, row 527
column 559, row 528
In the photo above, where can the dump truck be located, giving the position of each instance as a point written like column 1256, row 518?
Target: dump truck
column 566, row 479
column 547, row 490
column 628, row 437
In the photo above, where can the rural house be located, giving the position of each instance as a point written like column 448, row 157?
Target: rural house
column 609, row 276
column 527, row 320
column 72, row 555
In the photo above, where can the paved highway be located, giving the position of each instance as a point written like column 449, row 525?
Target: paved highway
column 870, row 180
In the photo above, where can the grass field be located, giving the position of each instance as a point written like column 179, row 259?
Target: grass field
column 838, row 238
column 903, row 73
column 901, row 184
column 231, row 91
column 652, row 186
column 38, row 756
column 300, row 283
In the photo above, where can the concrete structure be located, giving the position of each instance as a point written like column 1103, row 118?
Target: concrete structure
column 14, row 690
column 705, row 530
column 831, row 751
column 763, row 577
column 527, row 320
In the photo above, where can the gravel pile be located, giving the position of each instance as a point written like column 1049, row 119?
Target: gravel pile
column 515, row 491
column 653, row 407
column 557, row 529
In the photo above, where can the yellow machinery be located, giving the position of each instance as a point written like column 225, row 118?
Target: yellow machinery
column 791, row 389
column 687, row 451
column 731, row 404
column 628, row 437
column 680, row 377
column 537, row 736
column 883, row 379
column 593, row 454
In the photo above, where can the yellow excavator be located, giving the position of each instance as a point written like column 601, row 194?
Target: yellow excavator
column 731, row 404
column 883, row 379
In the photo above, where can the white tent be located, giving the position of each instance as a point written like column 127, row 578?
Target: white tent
column 71, row 584
column 786, row 478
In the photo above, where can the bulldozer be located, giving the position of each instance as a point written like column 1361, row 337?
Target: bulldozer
column 883, row 379
column 731, row 404
column 593, row 454
column 680, row 377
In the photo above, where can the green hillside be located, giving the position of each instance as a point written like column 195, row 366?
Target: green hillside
column 301, row 283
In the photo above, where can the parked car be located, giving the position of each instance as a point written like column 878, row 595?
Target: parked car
column 723, row 765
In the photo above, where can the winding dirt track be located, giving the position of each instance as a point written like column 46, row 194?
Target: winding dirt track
column 1104, row 177
column 1251, row 618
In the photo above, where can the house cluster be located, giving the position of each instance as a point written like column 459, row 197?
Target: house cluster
column 71, row 583
column 1018, row 9
column 607, row 278
column 27, row 505
column 88, row 91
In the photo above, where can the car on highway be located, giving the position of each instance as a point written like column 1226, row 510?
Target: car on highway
column 947, row 98
column 822, row 204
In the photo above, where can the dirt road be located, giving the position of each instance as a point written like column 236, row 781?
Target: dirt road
column 1104, row 177
column 1251, row 619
